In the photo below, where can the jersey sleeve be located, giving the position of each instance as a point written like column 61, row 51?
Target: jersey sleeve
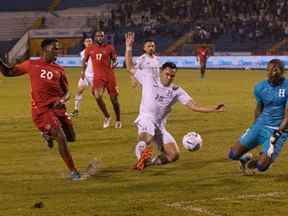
column 22, row 68
column 257, row 90
column 182, row 96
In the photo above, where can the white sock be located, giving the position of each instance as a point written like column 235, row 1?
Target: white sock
column 139, row 148
column 78, row 99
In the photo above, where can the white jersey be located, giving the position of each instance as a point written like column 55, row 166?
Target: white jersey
column 157, row 100
column 149, row 63
column 89, row 68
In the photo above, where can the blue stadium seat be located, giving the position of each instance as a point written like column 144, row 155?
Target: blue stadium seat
column 27, row 5
column 83, row 3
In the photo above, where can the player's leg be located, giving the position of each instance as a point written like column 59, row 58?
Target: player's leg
column 240, row 150
column 67, row 125
column 82, row 84
column 49, row 124
column 60, row 137
column 168, row 147
column 116, row 108
column 98, row 91
column 266, row 158
column 113, row 92
column 143, row 149
column 202, row 68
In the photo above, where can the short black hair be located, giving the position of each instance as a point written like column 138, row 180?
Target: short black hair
column 277, row 63
column 148, row 40
column 168, row 64
column 88, row 35
column 47, row 42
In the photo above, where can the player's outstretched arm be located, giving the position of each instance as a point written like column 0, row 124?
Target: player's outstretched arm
column 129, row 38
column 197, row 108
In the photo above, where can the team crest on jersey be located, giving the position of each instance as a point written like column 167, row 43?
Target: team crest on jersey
column 281, row 93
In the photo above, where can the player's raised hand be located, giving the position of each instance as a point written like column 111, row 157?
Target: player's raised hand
column 129, row 38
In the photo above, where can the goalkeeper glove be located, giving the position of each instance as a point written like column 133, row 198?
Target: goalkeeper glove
column 273, row 139
column 275, row 136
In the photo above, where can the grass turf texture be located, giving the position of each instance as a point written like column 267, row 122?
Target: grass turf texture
column 200, row 183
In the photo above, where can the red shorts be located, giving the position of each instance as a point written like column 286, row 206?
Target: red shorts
column 50, row 119
column 109, row 84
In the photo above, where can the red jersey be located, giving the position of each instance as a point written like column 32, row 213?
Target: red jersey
column 101, row 56
column 202, row 54
column 47, row 80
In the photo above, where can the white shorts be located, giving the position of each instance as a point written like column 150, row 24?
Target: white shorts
column 158, row 131
column 87, row 81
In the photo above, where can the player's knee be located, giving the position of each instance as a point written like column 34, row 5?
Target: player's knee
column 233, row 155
column 173, row 156
column 262, row 167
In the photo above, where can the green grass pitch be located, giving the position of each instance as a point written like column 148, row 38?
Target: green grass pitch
column 202, row 183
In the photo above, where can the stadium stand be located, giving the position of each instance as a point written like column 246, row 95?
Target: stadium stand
column 83, row 3
column 27, row 5
column 176, row 25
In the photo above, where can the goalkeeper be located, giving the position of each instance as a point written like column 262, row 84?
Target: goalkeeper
column 270, row 125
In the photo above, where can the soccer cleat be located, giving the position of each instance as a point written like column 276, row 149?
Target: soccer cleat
column 244, row 159
column 75, row 176
column 248, row 164
column 75, row 113
column 118, row 124
column 144, row 160
column 48, row 139
column 106, row 122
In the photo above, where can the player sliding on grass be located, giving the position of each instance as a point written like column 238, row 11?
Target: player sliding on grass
column 158, row 96
column 49, row 92
column 270, row 124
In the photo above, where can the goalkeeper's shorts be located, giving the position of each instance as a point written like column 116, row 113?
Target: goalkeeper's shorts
column 260, row 135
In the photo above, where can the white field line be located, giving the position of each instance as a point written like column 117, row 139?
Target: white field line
column 192, row 208
column 189, row 205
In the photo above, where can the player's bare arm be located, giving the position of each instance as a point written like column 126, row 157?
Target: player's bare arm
column 114, row 62
column 130, row 37
column 7, row 70
column 197, row 108
column 66, row 97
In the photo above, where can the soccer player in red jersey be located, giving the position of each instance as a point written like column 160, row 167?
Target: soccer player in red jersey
column 103, row 58
column 49, row 92
column 202, row 56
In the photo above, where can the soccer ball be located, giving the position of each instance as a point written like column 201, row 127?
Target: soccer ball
column 192, row 141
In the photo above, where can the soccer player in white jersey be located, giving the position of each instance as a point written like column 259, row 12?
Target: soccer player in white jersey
column 147, row 61
column 158, row 96
column 86, row 77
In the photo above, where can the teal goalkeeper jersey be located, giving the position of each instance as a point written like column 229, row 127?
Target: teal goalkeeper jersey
column 274, row 101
